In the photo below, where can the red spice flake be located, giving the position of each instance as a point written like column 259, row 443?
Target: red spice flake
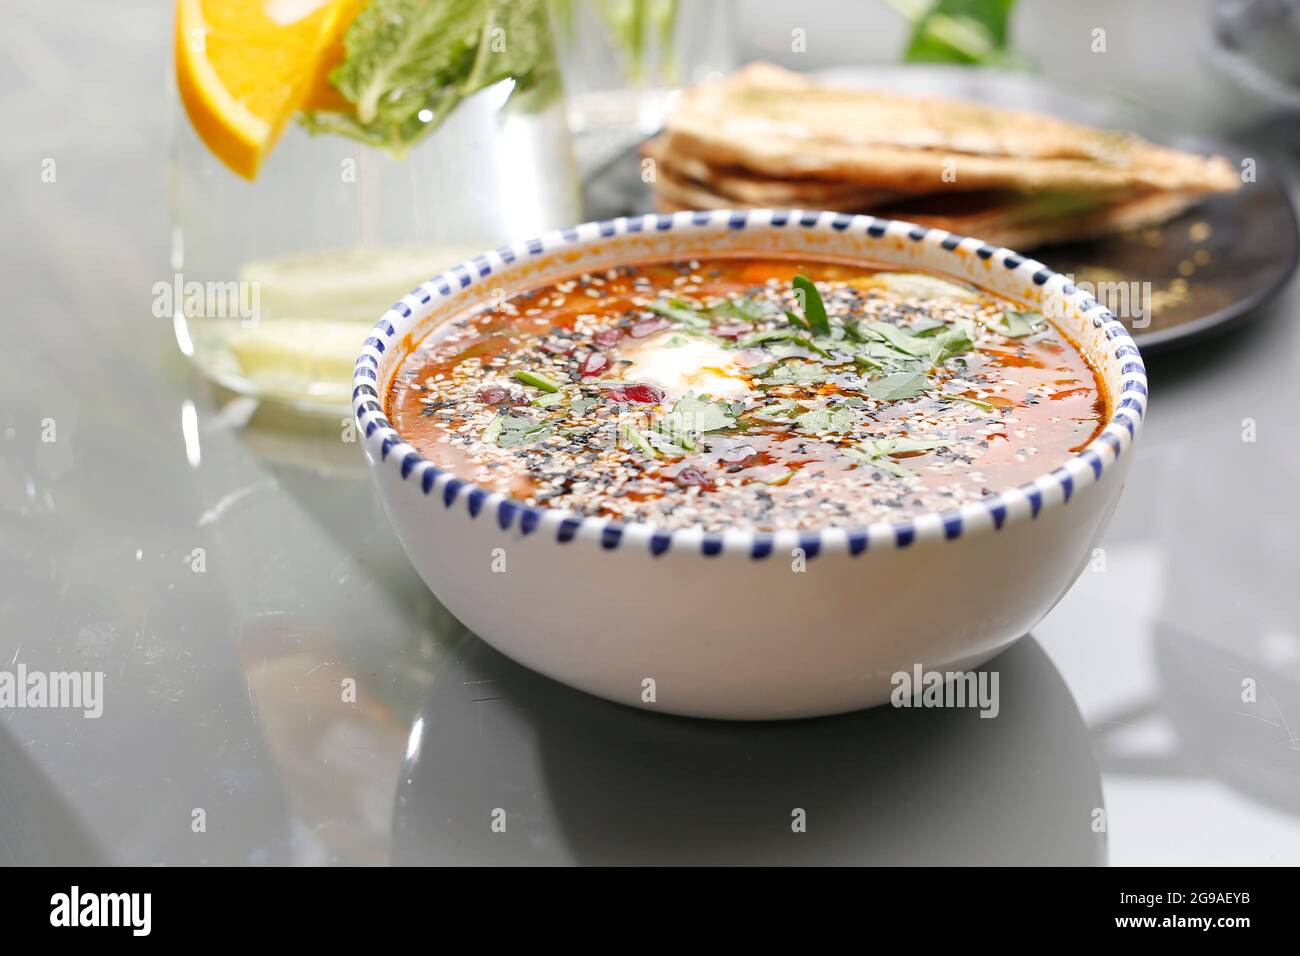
column 641, row 394
column 746, row 457
column 594, row 364
column 494, row 395
column 608, row 338
column 557, row 348
column 649, row 327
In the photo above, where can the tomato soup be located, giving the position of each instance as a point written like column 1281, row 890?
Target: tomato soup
column 755, row 393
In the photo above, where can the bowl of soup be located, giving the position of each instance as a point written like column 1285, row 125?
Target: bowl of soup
column 749, row 464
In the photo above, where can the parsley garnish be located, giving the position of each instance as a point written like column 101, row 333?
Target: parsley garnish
column 796, row 373
column 838, row 420
column 637, row 440
column 691, row 417
column 896, row 338
column 950, row 343
column 746, row 310
column 879, row 452
column 987, row 406
column 679, row 311
column 508, row 431
column 896, row 387
column 1018, row 325
column 537, row 380
column 814, row 309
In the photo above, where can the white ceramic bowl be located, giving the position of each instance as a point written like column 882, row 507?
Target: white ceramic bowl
column 724, row 625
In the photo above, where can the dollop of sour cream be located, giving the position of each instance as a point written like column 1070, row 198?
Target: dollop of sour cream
column 679, row 364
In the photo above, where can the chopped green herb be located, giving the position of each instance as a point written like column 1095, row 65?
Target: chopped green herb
column 745, row 310
column 797, row 321
column 1018, row 325
column 902, row 445
column 879, row 357
column 918, row 285
column 899, row 386
column 493, row 430
column 771, row 335
column 579, row 406
column 796, row 373
column 547, row 400
column 507, row 431
column 537, row 380
column 692, row 416
column 804, row 342
column 926, row 326
column 667, row 446
column 837, row 420
column 885, row 465
column 679, row 311
column 879, row 451
column 779, row 411
column 814, row 309
column 634, row 437
column 898, row 338
column 987, row 406
column 949, row 344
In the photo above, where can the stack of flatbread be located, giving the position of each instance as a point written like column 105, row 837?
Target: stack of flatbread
column 767, row 137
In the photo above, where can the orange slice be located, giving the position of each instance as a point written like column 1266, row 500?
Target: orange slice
column 321, row 94
column 244, row 67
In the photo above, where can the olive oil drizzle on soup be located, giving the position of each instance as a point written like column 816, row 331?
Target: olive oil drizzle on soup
column 748, row 393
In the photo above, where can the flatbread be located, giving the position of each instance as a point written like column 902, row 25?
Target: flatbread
column 685, row 194
column 1113, row 218
column 1017, row 221
column 750, row 189
column 781, row 125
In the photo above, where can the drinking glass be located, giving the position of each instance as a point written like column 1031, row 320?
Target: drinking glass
column 275, row 281
column 624, row 60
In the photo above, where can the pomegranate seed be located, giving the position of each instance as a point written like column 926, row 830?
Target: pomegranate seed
column 608, row 338
column 642, row 394
column 742, row 457
column 691, row 477
column 594, row 364
column 649, row 327
column 493, row 395
column 731, row 330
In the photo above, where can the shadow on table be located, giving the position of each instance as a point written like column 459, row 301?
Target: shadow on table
column 37, row 828
column 315, row 460
column 581, row 780
column 1213, row 514
column 1232, row 716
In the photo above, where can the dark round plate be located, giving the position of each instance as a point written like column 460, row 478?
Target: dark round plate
column 1214, row 264
column 1196, row 274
